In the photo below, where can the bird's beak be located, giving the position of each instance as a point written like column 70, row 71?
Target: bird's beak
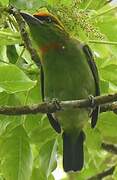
column 30, row 19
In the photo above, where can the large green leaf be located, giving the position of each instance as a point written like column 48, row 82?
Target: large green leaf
column 15, row 155
column 41, row 135
column 12, row 54
column 48, row 157
column 90, row 4
column 7, row 123
column 13, row 80
column 108, row 73
column 94, row 142
column 31, row 123
column 107, row 24
column 107, row 125
column 37, row 175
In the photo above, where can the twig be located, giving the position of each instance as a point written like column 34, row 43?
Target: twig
column 109, row 107
column 105, row 12
column 25, row 37
column 103, row 174
column 110, row 148
column 103, row 42
column 50, row 107
column 107, row 2
column 88, row 4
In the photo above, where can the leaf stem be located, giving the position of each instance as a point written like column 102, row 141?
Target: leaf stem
column 103, row 42
column 88, row 4
column 21, row 54
column 104, row 12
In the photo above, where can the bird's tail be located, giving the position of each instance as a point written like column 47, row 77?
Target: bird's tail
column 73, row 155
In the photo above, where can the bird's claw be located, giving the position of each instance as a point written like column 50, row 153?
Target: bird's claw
column 92, row 102
column 56, row 102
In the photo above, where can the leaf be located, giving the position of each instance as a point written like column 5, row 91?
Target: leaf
column 107, row 125
column 90, row 4
column 37, row 175
column 7, row 123
column 63, row 2
column 108, row 73
column 107, row 24
column 4, row 2
column 115, row 173
column 15, row 155
column 48, row 157
column 104, row 86
column 96, row 141
column 8, row 37
column 1, row 178
column 41, row 135
column 12, row 54
column 32, row 122
column 13, row 80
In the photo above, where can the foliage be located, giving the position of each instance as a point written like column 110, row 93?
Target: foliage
column 28, row 145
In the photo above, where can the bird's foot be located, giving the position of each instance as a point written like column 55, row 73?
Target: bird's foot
column 92, row 102
column 56, row 102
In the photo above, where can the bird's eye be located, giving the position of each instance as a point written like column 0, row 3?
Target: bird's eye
column 44, row 18
column 48, row 19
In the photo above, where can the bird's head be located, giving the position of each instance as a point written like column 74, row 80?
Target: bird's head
column 45, row 28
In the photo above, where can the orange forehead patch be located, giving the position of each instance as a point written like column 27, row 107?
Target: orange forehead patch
column 42, row 13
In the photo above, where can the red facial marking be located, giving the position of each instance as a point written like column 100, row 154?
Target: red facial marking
column 48, row 47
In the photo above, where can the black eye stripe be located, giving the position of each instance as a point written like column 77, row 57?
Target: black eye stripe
column 47, row 19
column 44, row 18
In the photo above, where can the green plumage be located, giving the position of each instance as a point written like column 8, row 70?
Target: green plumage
column 68, row 77
column 68, row 73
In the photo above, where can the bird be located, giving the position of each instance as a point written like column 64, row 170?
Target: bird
column 68, row 72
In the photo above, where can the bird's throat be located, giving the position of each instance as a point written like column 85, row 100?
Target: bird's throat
column 50, row 46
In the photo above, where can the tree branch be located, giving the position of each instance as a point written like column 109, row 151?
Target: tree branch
column 24, row 35
column 50, row 107
column 103, row 174
column 109, row 107
column 110, row 148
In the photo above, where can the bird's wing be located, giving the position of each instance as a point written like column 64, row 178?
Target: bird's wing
column 54, row 122
column 90, row 59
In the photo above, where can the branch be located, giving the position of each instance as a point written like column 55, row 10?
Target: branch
column 50, row 107
column 103, row 174
column 103, row 42
column 110, row 148
column 24, row 35
column 109, row 107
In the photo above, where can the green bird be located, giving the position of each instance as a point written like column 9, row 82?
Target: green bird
column 68, row 72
